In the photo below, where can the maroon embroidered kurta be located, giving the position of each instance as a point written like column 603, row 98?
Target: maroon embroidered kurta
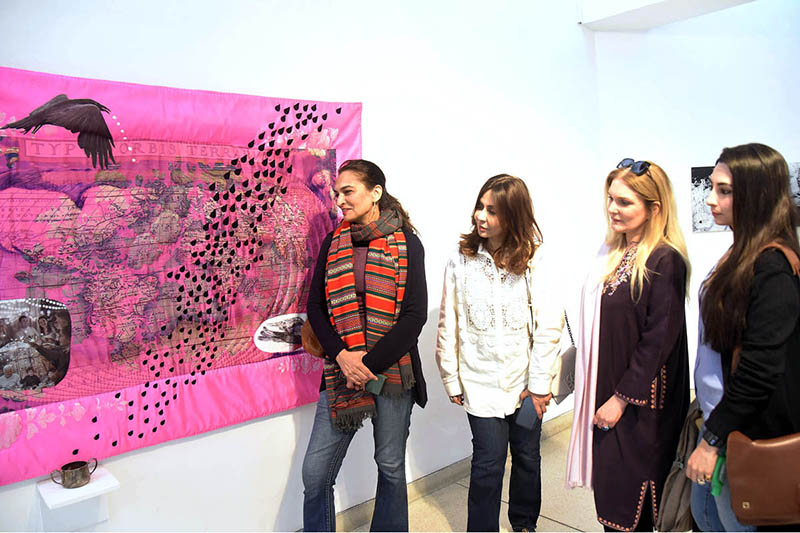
column 643, row 358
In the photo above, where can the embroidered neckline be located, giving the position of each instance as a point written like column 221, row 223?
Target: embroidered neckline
column 623, row 271
column 482, row 301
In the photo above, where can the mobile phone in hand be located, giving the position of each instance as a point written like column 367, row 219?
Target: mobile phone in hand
column 375, row 386
column 527, row 415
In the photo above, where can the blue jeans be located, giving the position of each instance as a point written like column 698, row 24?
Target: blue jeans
column 491, row 438
column 326, row 451
column 714, row 513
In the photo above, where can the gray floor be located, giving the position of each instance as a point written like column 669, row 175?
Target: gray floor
column 562, row 509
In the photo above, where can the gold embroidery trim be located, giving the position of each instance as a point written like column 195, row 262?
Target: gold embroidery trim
column 638, row 509
column 630, row 400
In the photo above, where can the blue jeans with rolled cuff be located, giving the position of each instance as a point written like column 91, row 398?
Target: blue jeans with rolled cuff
column 491, row 438
column 325, row 453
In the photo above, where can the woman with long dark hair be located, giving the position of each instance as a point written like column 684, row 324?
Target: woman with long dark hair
column 367, row 306
column 46, row 331
column 54, row 346
column 483, row 349
column 632, row 368
column 747, row 369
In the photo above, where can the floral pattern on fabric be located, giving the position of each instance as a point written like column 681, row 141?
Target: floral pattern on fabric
column 623, row 272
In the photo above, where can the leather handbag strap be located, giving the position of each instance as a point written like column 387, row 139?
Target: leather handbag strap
column 794, row 262
column 791, row 257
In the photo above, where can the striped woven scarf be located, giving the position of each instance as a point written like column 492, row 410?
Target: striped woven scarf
column 385, row 279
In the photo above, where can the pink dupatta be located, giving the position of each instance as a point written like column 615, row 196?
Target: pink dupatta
column 579, row 456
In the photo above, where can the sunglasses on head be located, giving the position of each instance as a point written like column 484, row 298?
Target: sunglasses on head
column 637, row 167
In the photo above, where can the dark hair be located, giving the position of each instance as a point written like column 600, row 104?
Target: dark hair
column 371, row 176
column 47, row 328
column 763, row 212
column 515, row 212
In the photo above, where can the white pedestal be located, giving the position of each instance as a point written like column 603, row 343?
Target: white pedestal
column 71, row 509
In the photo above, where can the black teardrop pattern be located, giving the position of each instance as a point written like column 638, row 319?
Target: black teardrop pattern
column 203, row 307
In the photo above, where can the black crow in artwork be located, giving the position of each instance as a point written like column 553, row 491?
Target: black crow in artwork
column 82, row 116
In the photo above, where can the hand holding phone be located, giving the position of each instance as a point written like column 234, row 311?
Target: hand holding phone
column 375, row 386
column 527, row 415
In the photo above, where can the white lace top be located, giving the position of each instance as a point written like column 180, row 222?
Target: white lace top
column 482, row 344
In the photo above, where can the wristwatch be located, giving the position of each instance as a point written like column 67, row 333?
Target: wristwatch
column 712, row 439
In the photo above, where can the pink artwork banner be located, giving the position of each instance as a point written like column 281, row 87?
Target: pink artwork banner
column 156, row 248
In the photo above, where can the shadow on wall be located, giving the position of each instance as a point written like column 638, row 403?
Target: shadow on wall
column 439, row 433
column 290, row 509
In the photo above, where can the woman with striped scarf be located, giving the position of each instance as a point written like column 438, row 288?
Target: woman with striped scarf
column 367, row 306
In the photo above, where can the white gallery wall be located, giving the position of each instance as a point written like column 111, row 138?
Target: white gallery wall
column 453, row 92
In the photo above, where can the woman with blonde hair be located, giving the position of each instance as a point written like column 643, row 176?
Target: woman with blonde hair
column 482, row 348
column 632, row 369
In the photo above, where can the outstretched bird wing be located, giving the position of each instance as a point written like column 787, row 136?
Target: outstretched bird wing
column 38, row 117
column 81, row 116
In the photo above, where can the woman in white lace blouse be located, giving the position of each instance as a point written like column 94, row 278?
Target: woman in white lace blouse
column 484, row 353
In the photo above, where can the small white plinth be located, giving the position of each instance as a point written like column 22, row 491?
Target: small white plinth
column 56, row 496
column 70, row 509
